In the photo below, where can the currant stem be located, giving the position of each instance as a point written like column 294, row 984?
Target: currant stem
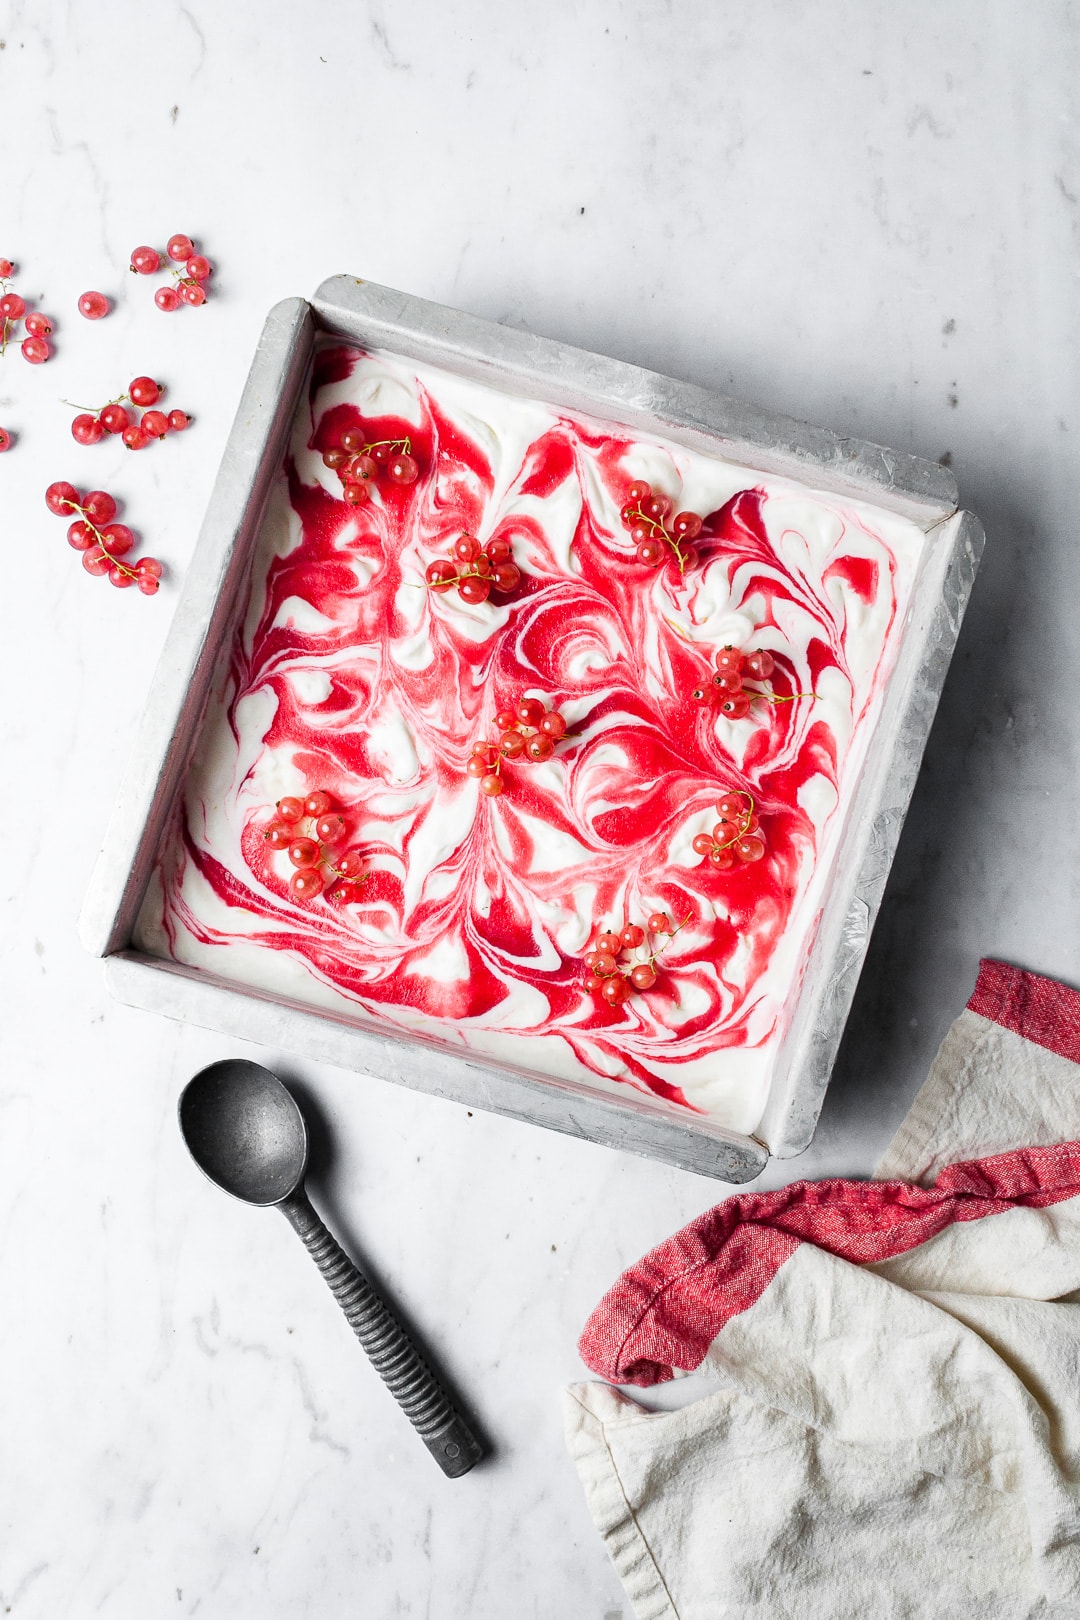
column 95, row 410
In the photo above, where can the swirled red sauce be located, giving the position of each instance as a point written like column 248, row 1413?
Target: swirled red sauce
column 348, row 675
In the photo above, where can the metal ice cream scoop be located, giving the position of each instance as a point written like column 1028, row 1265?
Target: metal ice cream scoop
column 247, row 1134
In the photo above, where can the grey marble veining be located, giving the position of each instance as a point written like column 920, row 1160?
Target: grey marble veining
column 866, row 216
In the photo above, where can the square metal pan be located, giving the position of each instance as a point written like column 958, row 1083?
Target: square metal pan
column 378, row 317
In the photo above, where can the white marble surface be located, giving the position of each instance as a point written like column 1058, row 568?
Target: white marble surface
column 864, row 214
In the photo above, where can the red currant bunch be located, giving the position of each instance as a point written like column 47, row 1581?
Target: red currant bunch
column 309, row 829
column 736, row 836
column 34, row 347
column 726, row 689
column 137, row 431
column 358, row 463
column 655, row 534
column 476, row 570
column 614, row 979
column 527, row 736
column 102, row 541
column 188, row 282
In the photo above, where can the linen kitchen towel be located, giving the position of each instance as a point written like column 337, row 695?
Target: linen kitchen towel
column 895, row 1429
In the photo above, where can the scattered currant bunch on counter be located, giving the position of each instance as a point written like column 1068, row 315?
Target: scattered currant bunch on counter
column 736, row 836
column 188, row 282
column 34, row 347
column 359, row 462
column 308, row 830
column 91, row 426
column 476, row 570
column 727, row 689
column 614, row 979
column 527, row 736
column 102, row 541
column 646, row 515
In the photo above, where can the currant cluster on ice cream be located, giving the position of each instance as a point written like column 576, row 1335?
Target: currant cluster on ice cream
column 649, row 737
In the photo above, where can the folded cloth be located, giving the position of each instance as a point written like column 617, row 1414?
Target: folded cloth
column 896, row 1425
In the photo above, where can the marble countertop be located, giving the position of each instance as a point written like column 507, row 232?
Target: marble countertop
column 863, row 215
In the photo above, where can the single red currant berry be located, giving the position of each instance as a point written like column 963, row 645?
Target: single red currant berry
column 482, row 566
column 61, row 498
column 721, row 858
column 318, row 803
column 38, row 325
column 86, row 429
column 356, row 494
column 702, row 694
column 609, row 941
column 304, row 852
column 167, row 298
column 641, row 531
column 331, row 827
column 478, row 766
column 147, row 583
column 736, row 706
column 95, row 561
column 121, row 577
column 144, row 391
column 441, row 575
column 633, row 936
column 155, row 423
column 539, row 747
column 491, row 785
column 659, row 923
column 512, row 744
column 403, row 469
column 352, row 441
column 114, row 419
column 726, row 832
column 381, row 453
column 702, row 844
column 553, row 725
column 487, row 751
column 750, row 849
column 290, row 809
column 35, row 350
column 278, row 835
column 507, row 577
column 12, row 307
column 686, row 525
column 351, row 864
column 591, row 960
column 198, row 267
column 505, row 720
column 731, row 806
column 603, row 961
column 727, row 680
column 178, row 421
column 6, row 268
column 639, row 491
column 499, row 550
column 134, row 437
column 530, row 711
column 643, row 977
column 118, row 538
column 146, row 261
column 615, row 991
column 179, row 248
column 148, row 568
column 650, row 552
column 656, row 507
column 629, row 514
column 5, row 440
column 729, row 660
column 466, row 548
column 760, row 665
column 591, row 982
column 364, row 468
column 473, row 589
column 93, row 305
column 191, row 293
column 307, row 884
column 81, row 536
